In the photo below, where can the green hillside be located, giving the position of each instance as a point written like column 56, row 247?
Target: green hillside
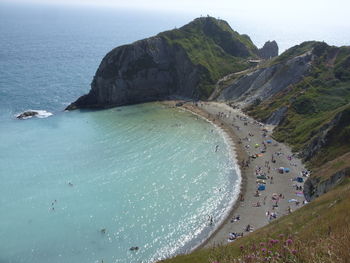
column 317, row 125
column 214, row 47
column 319, row 232
column 317, row 104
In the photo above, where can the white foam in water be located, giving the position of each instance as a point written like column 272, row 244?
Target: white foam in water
column 43, row 114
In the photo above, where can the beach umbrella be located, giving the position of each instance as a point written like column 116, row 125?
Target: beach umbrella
column 257, row 145
column 269, row 141
column 287, row 170
column 292, row 200
column 261, row 187
column 281, row 170
column 300, row 179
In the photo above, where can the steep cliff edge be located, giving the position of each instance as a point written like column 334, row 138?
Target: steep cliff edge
column 327, row 177
column 184, row 62
column 147, row 70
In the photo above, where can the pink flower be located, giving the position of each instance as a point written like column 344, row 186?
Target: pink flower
column 294, row 251
column 289, row 241
column 273, row 241
column 263, row 250
column 241, row 247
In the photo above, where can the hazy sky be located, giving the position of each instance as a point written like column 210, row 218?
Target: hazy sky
column 333, row 12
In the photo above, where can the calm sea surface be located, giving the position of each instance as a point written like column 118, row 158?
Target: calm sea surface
column 85, row 186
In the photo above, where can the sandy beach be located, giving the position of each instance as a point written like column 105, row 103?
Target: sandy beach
column 251, row 138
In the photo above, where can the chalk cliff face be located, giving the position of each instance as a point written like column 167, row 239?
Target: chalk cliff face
column 147, row 70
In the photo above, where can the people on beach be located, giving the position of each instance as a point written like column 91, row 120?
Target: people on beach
column 267, row 156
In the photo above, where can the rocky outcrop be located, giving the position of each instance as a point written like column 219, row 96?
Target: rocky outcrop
column 26, row 115
column 331, row 133
column 172, row 64
column 314, row 187
column 31, row 113
column 266, row 82
column 277, row 116
column 146, row 70
column 269, row 50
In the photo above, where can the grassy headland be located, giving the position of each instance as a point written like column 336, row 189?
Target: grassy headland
column 214, row 47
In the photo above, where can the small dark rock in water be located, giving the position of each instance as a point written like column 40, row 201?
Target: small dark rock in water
column 26, row 114
column 134, row 248
column 103, row 231
column 179, row 104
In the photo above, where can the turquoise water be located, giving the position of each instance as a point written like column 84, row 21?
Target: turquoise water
column 147, row 174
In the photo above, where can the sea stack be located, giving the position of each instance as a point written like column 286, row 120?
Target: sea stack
column 269, row 50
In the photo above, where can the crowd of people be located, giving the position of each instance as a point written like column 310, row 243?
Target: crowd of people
column 256, row 147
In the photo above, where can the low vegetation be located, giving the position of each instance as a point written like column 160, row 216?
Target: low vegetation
column 214, row 47
column 319, row 101
column 318, row 113
column 318, row 232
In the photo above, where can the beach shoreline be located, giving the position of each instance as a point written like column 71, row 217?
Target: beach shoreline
column 232, row 125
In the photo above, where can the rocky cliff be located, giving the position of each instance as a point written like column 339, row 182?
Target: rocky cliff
column 147, row 70
column 306, row 93
column 264, row 83
column 269, row 50
column 183, row 62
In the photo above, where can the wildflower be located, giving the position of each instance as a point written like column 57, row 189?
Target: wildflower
column 263, row 250
column 294, row 251
column 274, row 241
column 241, row 247
column 289, row 241
column 262, row 244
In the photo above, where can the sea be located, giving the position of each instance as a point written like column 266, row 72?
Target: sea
column 87, row 186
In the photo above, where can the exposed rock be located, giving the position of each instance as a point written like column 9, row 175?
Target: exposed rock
column 26, row 115
column 324, row 133
column 37, row 113
column 277, row 116
column 147, row 70
column 314, row 187
column 269, row 50
column 169, row 64
column 266, row 82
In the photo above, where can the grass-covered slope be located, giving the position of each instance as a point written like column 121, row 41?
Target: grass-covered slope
column 318, row 232
column 214, row 47
column 317, row 122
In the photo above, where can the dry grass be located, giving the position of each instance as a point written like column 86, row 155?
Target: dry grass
column 327, row 170
column 320, row 232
